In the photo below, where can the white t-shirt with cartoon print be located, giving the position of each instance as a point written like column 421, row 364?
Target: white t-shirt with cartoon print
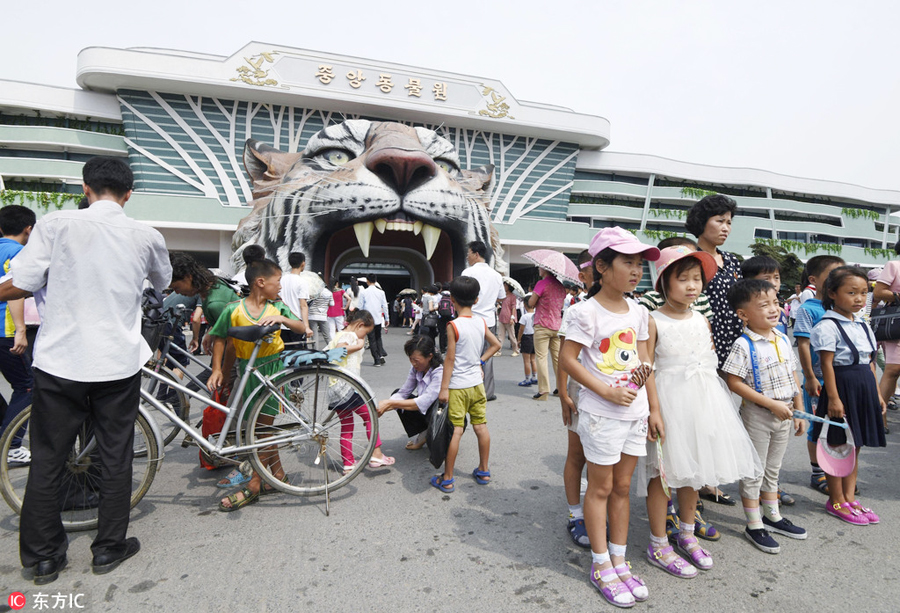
column 610, row 354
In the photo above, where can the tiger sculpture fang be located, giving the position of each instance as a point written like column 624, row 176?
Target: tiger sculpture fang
column 367, row 184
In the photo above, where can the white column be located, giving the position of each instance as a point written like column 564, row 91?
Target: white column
column 647, row 200
column 225, row 252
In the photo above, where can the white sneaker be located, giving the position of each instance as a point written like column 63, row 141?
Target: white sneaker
column 19, row 456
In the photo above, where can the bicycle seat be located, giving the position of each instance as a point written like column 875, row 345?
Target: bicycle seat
column 251, row 334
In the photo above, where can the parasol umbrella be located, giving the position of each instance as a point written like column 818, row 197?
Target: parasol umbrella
column 314, row 283
column 516, row 286
column 557, row 263
column 408, row 292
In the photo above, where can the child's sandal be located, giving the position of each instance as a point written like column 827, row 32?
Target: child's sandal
column 445, row 485
column 699, row 556
column 635, row 584
column 615, row 591
column 679, row 567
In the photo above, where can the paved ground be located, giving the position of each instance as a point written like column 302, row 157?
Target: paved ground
column 394, row 543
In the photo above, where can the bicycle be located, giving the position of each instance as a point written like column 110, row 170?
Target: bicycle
column 311, row 439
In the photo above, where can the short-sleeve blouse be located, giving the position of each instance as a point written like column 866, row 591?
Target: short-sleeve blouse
column 726, row 326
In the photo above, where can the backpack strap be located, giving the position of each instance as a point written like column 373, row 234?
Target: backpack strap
column 754, row 363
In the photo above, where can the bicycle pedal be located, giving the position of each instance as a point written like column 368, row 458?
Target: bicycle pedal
column 187, row 441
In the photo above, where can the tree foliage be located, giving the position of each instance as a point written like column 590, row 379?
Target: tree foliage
column 791, row 266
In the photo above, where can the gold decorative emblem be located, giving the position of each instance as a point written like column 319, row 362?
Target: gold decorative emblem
column 496, row 105
column 253, row 73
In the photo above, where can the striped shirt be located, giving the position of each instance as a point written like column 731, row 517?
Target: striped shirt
column 654, row 300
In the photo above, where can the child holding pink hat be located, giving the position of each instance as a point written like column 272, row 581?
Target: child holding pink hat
column 609, row 334
column 705, row 443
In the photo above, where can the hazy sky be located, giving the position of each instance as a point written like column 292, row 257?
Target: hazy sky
column 801, row 88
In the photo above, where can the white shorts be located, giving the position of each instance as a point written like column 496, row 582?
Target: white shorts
column 605, row 439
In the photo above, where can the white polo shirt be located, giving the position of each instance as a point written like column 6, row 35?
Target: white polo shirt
column 491, row 284
column 91, row 265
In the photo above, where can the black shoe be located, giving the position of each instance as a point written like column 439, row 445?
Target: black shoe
column 47, row 571
column 492, row 398
column 762, row 540
column 107, row 562
column 556, row 392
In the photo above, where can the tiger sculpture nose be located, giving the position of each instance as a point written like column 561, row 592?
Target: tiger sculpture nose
column 403, row 169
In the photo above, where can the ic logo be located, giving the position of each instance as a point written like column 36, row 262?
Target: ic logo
column 16, row 600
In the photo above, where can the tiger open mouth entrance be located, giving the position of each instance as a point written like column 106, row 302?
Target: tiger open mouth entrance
column 440, row 247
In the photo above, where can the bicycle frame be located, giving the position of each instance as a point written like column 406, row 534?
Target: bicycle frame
column 231, row 411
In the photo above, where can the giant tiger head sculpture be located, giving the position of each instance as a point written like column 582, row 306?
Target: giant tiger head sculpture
column 368, row 184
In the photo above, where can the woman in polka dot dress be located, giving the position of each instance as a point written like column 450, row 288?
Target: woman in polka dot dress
column 710, row 221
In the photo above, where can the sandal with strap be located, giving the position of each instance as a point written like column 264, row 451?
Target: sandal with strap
column 235, row 503
column 673, row 526
column 819, row 482
column 233, row 479
column 445, row 485
column 482, row 477
column 267, row 489
column 704, row 529
column 615, row 592
column 847, row 513
column 679, row 567
column 867, row 512
column 635, row 584
column 699, row 556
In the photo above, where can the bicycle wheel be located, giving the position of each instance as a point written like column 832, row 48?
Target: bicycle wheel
column 80, row 487
column 174, row 399
column 314, row 442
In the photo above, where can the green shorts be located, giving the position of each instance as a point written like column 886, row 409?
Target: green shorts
column 469, row 400
column 266, row 366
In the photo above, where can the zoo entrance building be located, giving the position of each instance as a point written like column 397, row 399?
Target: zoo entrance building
column 182, row 119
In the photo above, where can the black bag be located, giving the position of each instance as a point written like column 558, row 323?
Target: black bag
column 438, row 435
column 445, row 307
column 431, row 320
column 885, row 321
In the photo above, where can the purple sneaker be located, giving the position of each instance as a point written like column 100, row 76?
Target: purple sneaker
column 616, row 593
column 678, row 567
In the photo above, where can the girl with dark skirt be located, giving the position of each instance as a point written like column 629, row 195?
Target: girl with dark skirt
column 846, row 347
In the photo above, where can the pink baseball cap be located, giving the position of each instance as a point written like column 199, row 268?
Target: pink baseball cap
column 621, row 241
column 836, row 460
column 673, row 254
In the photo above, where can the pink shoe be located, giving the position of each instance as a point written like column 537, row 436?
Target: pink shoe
column 616, row 593
column 678, row 567
column 382, row 461
column 868, row 513
column 635, row 584
column 845, row 512
column 699, row 556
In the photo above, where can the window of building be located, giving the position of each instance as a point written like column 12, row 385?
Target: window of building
column 793, row 236
column 762, row 233
column 581, row 175
column 831, row 220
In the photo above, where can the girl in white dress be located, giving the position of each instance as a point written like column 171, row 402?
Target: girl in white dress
column 704, row 441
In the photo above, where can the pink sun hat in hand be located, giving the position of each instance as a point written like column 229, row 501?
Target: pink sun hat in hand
column 673, row 254
column 622, row 241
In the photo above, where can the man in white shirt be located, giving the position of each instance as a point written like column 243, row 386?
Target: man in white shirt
column 491, row 292
column 373, row 300
column 89, row 266
column 295, row 295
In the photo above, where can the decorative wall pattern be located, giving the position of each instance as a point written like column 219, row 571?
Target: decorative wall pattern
column 193, row 145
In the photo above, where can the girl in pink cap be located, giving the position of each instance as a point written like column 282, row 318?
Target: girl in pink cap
column 704, row 444
column 609, row 334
